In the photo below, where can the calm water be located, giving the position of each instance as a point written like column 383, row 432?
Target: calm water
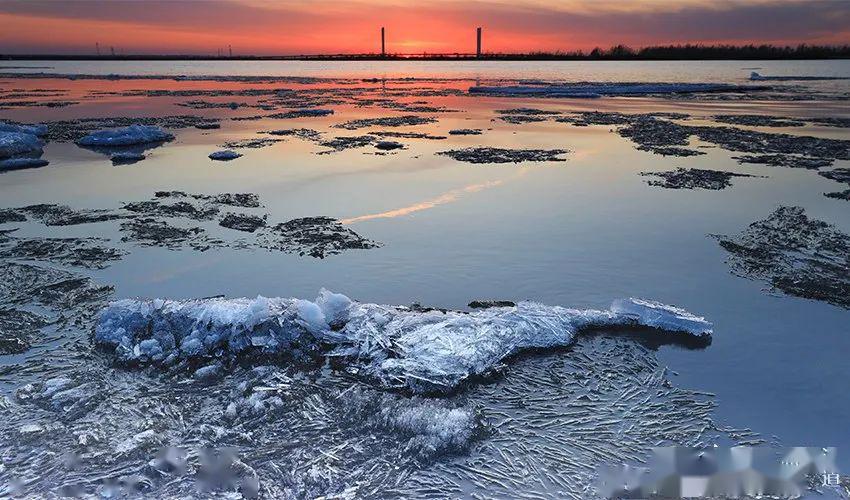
column 579, row 233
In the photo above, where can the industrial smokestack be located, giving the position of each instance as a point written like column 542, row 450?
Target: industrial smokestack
column 478, row 44
column 383, row 44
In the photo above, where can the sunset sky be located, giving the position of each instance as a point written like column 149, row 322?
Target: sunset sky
column 266, row 27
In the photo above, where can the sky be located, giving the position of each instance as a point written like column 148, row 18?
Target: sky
column 282, row 27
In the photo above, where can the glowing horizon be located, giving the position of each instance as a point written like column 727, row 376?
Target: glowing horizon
column 261, row 27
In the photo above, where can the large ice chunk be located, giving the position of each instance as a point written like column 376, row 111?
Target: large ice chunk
column 165, row 331
column 126, row 136
column 335, row 307
column 425, row 351
column 661, row 316
column 13, row 144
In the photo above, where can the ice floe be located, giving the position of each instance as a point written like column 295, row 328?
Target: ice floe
column 14, row 144
column 592, row 90
column 757, row 77
column 302, row 113
column 126, row 136
column 795, row 254
column 399, row 347
column 224, row 155
column 693, row 178
column 503, row 155
column 465, row 131
column 389, row 145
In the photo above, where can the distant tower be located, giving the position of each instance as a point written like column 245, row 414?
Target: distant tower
column 97, row 47
column 383, row 43
column 230, row 50
column 478, row 43
column 112, row 50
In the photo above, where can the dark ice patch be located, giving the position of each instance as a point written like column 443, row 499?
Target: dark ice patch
column 785, row 160
column 183, row 209
column 147, row 231
column 794, row 254
column 63, row 215
column 90, row 253
column 315, row 236
column 254, row 143
column 342, row 143
column 11, row 215
column 520, row 119
column 388, row 145
column 388, row 121
column 407, row 135
column 501, row 155
column 307, row 134
column 693, row 178
column 224, row 155
column 839, row 195
column 527, row 112
column 301, row 113
column 657, row 133
column 245, row 200
column 759, row 120
column 837, row 174
column 242, row 222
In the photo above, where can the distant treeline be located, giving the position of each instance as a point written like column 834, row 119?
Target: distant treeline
column 703, row 52
column 616, row 53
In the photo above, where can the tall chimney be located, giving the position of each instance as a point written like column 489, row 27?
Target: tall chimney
column 478, row 44
column 383, row 45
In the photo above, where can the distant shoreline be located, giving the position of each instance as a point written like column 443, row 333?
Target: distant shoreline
column 615, row 53
column 403, row 57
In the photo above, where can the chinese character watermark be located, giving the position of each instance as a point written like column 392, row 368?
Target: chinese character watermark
column 831, row 479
